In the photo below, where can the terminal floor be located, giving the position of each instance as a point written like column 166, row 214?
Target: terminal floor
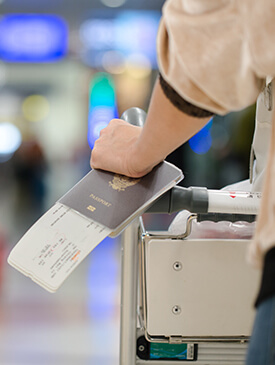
column 78, row 325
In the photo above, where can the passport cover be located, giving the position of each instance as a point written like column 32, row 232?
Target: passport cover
column 114, row 200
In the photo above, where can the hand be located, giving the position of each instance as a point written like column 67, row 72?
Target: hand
column 115, row 149
column 134, row 151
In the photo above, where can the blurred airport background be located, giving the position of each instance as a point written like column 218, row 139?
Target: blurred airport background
column 66, row 68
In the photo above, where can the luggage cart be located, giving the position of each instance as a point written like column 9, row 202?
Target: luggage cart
column 188, row 299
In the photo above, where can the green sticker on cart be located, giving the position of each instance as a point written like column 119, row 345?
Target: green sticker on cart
column 163, row 351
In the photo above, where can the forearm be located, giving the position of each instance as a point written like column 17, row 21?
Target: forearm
column 166, row 128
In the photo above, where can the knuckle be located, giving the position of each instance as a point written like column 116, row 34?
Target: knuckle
column 113, row 121
column 116, row 122
column 102, row 132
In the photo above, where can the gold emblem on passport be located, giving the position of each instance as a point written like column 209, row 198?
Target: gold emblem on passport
column 121, row 182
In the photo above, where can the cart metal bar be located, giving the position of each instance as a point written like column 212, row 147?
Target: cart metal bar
column 129, row 282
column 202, row 200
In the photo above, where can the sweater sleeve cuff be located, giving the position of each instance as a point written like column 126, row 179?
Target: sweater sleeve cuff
column 180, row 103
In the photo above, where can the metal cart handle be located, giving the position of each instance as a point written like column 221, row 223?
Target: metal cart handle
column 236, row 205
column 134, row 116
column 221, row 204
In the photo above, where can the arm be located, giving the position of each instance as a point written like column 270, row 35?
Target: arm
column 203, row 56
column 134, row 151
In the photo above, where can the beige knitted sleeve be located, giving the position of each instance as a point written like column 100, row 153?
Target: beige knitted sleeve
column 204, row 54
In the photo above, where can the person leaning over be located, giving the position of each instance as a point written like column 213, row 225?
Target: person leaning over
column 214, row 57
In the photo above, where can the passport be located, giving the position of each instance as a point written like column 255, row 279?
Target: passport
column 114, row 200
column 101, row 204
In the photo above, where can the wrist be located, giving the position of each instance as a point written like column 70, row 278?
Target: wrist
column 138, row 161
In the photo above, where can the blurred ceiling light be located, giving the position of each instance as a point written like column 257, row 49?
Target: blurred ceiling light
column 10, row 140
column 138, row 65
column 97, row 33
column 32, row 38
column 127, row 31
column 35, row 108
column 113, row 62
column 113, row 3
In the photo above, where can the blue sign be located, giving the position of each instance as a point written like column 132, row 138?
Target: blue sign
column 32, row 38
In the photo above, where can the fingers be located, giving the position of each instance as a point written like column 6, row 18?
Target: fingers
column 101, row 144
column 114, row 149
